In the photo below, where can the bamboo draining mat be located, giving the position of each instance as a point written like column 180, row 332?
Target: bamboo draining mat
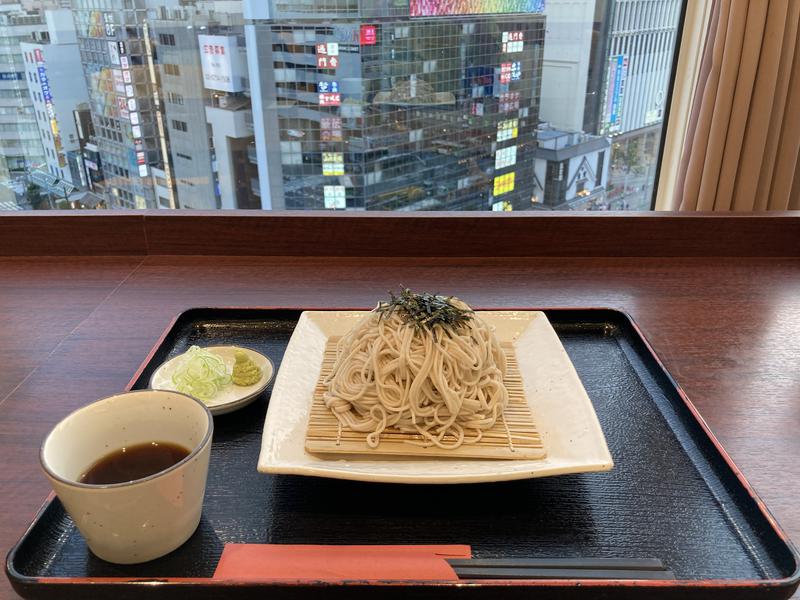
column 324, row 435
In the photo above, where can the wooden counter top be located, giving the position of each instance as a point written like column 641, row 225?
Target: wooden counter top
column 75, row 329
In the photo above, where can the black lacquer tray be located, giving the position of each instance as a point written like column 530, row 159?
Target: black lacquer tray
column 673, row 495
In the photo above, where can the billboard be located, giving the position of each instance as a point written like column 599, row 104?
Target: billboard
column 44, row 82
column 221, row 63
column 615, row 89
column 443, row 8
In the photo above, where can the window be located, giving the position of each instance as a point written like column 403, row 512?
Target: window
column 538, row 105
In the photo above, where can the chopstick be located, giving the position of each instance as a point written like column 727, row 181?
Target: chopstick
column 560, row 568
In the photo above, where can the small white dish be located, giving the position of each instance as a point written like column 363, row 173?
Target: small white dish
column 231, row 397
column 563, row 413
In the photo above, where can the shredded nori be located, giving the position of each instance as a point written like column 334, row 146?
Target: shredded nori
column 425, row 310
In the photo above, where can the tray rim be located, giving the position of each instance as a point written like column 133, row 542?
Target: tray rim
column 789, row 584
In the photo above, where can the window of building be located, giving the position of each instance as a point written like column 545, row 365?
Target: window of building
column 424, row 106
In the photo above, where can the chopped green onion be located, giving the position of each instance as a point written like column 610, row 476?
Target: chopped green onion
column 201, row 374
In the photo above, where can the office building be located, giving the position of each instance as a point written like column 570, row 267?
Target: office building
column 387, row 106
column 606, row 72
column 20, row 146
column 117, row 59
column 203, row 72
column 568, row 45
column 56, row 88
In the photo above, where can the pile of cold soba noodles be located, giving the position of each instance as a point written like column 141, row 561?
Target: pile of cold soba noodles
column 440, row 380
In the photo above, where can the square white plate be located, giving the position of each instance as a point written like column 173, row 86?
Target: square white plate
column 563, row 412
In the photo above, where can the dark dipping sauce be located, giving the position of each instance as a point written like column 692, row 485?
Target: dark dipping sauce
column 134, row 462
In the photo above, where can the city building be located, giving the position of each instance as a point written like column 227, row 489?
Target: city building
column 633, row 59
column 387, row 106
column 56, row 88
column 569, row 39
column 117, row 59
column 202, row 64
column 20, row 146
column 571, row 170
column 606, row 72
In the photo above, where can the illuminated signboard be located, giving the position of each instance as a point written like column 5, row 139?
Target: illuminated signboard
column 505, row 72
column 329, row 93
column 504, row 184
column 507, row 130
column 510, row 71
column 330, row 99
column 332, row 163
column 335, row 196
column 442, row 8
column 369, row 35
column 513, row 41
column 505, row 157
column 502, row 206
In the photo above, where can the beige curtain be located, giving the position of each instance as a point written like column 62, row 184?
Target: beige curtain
column 743, row 137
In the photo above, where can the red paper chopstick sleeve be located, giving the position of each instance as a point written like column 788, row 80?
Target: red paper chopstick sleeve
column 278, row 562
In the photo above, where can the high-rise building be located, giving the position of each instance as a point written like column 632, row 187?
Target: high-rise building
column 633, row 53
column 20, row 147
column 174, row 31
column 565, row 65
column 203, row 72
column 117, row 58
column 385, row 105
column 633, row 60
column 56, row 88
column 606, row 73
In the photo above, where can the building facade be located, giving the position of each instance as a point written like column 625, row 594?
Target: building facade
column 56, row 88
column 388, row 106
column 20, row 147
column 117, row 58
column 571, row 170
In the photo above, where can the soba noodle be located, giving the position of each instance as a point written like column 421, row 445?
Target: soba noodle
column 443, row 383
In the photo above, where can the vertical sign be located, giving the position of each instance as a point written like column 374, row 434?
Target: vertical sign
column 615, row 88
column 44, row 82
column 505, row 72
